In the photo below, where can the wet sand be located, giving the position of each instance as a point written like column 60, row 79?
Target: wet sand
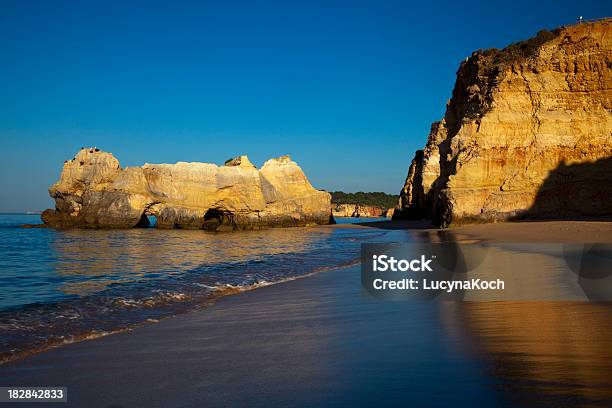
column 319, row 341
column 307, row 342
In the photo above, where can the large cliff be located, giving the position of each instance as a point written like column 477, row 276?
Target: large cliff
column 527, row 133
column 95, row 192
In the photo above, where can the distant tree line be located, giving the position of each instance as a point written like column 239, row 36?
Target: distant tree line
column 375, row 199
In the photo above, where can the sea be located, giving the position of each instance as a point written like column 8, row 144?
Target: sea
column 61, row 286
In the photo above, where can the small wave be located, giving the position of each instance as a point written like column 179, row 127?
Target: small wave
column 217, row 292
column 125, row 304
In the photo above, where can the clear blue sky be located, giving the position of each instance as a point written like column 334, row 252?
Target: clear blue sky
column 348, row 89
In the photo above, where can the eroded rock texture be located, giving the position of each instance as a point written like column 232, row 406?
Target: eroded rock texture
column 95, row 192
column 358, row 210
column 527, row 132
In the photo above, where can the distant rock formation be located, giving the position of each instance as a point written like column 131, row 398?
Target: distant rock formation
column 358, row 210
column 95, row 192
column 520, row 122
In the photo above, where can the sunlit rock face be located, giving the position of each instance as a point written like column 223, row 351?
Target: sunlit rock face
column 358, row 210
column 527, row 132
column 95, row 192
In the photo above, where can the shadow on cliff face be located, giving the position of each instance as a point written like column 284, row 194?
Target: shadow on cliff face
column 477, row 81
column 575, row 192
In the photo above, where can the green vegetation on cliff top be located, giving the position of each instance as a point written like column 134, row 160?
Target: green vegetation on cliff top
column 378, row 199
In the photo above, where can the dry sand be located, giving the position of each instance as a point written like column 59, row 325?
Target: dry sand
column 532, row 231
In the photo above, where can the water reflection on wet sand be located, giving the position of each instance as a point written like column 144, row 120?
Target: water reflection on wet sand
column 541, row 353
column 536, row 353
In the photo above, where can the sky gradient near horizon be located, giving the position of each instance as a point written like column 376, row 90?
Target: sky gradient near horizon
column 348, row 89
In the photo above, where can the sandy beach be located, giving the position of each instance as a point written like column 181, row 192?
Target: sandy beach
column 193, row 212
column 319, row 340
column 527, row 231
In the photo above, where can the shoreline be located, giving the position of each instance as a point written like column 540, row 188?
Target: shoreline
column 211, row 300
column 203, row 357
column 553, row 231
column 506, row 232
column 125, row 350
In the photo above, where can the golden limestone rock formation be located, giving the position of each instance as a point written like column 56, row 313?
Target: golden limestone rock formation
column 527, row 133
column 95, row 192
column 358, row 210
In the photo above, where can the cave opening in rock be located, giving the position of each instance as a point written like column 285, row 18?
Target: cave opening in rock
column 152, row 221
column 144, row 221
column 151, row 217
column 213, row 218
column 213, row 215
